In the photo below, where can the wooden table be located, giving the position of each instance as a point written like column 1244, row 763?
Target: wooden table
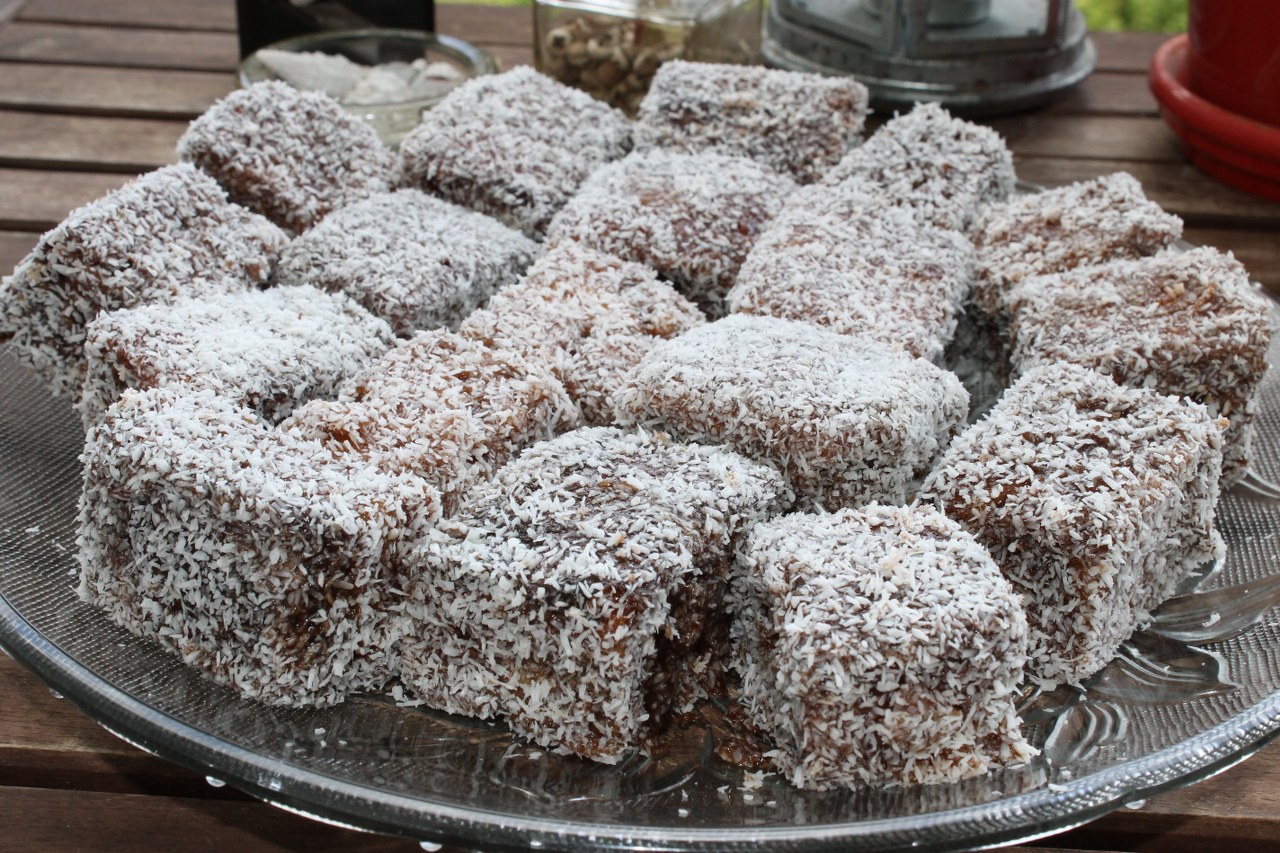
column 93, row 92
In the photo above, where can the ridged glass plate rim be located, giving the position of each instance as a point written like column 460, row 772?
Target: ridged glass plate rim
column 1015, row 818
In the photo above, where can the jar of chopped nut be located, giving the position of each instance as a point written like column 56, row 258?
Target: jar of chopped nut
column 612, row 48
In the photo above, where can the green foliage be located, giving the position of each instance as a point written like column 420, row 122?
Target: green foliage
column 1168, row 16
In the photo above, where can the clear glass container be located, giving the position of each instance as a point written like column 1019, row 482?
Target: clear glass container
column 973, row 56
column 612, row 48
column 448, row 61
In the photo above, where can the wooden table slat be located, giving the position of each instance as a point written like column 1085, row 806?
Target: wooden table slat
column 486, row 24
column 499, row 25
column 1130, row 52
column 14, row 246
column 36, row 201
column 1108, row 93
column 1162, row 833
column 1131, row 138
column 80, row 820
column 91, row 143
column 36, row 43
column 120, row 92
column 118, row 47
column 217, row 16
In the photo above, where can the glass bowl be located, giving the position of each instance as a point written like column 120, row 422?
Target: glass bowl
column 442, row 62
column 1194, row 693
column 611, row 49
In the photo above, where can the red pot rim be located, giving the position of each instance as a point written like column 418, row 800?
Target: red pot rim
column 1168, row 78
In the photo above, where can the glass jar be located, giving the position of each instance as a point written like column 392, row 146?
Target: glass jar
column 612, row 48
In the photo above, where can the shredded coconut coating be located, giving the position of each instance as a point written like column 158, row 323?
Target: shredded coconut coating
column 443, row 407
column 258, row 558
column 413, row 260
column 170, row 233
column 1189, row 324
column 846, row 420
column 589, row 316
column 692, row 217
column 878, row 645
column 944, row 169
column 581, row 593
column 515, row 146
column 1094, row 499
column 795, row 123
column 1090, row 222
column 290, row 155
column 269, row 351
column 857, row 264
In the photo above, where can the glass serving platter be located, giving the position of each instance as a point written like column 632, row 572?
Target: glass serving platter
column 1193, row 694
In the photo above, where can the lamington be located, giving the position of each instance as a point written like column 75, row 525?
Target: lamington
column 795, row 123
column 856, row 263
column 1095, row 500
column 589, row 316
column 878, row 646
column 413, row 260
column 847, row 420
column 440, row 406
column 1189, row 324
column 580, row 593
column 1091, row 222
column 268, row 350
column 258, row 558
column 691, row 217
column 942, row 168
column 291, row 155
column 171, row 233
column 515, row 145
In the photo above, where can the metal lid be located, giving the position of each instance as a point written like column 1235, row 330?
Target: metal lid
column 997, row 62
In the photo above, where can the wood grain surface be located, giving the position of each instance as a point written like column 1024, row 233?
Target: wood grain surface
column 93, row 92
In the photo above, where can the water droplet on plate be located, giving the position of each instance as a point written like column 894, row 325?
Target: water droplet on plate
column 55, row 694
column 430, row 846
column 215, row 782
column 1135, row 805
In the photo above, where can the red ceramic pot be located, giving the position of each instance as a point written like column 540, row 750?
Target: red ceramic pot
column 1235, row 56
column 1236, row 150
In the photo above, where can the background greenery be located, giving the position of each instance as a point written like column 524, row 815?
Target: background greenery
column 1167, row 16
column 1160, row 15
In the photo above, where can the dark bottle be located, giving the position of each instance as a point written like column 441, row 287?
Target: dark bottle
column 262, row 22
